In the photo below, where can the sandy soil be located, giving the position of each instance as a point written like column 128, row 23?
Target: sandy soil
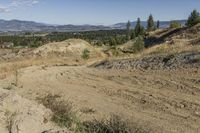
column 167, row 101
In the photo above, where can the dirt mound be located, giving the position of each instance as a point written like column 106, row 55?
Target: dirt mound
column 154, row 62
column 68, row 48
column 19, row 115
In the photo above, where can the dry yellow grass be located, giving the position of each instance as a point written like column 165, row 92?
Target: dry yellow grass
column 10, row 68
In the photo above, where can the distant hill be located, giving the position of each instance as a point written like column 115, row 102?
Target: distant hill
column 163, row 24
column 23, row 26
column 30, row 26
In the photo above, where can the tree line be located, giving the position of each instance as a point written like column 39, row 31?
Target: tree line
column 140, row 30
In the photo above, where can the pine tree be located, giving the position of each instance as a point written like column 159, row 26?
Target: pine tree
column 150, row 23
column 139, row 29
column 193, row 19
column 128, row 28
column 158, row 24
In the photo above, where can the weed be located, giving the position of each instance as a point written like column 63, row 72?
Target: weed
column 86, row 54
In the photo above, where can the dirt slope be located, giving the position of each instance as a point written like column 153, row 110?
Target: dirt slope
column 167, row 101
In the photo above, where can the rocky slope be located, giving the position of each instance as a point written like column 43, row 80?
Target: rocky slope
column 183, row 60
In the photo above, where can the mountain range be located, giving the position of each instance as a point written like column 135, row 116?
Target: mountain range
column 31, row 26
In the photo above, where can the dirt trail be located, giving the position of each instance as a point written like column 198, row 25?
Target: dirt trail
column 167, row 101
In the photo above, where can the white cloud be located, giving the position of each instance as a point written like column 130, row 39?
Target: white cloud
column 3, row 8
column 17, row 4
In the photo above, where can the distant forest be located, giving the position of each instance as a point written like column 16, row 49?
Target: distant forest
column 102, row 37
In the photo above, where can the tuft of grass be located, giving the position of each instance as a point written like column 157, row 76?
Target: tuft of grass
column 9, row 87
column 87, row 110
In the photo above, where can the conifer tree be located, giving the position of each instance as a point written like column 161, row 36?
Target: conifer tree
column 139, row 29
column 128, row 28
column 193, row 19
column 150, row 23
column 158, row 24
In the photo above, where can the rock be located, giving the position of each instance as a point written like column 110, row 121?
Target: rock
column 154, row 62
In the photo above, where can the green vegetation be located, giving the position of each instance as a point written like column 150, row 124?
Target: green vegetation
column 150, row 23
column 139, row 29
column 98, row 38
column 175, row 24
column 63, row 112
column 128, row 28
column 138, row 45
column 86, row 54
column 193, row 19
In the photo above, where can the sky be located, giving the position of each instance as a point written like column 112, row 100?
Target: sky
column 95, row 12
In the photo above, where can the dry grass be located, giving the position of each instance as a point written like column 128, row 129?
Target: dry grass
column 115, row 124
column 64, row 114
column 87, row 110
column 10, row 68
column 63, row 111
column 9, row 120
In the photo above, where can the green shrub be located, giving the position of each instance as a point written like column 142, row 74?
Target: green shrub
column 138, row 45
column 175, row 24
column 193, row 19
column 86, row 54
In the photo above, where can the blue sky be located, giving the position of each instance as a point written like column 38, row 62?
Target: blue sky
column 95, row 11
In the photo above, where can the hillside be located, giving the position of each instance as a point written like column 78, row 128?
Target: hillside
column 165, row 49
column 156, row 90
column 30, row 26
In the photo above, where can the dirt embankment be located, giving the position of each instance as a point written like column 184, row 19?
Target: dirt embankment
column 19, row 115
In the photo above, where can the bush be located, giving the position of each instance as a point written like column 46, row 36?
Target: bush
column 138, row 45
column 175, row 24
column 193, row 19
column 86, row 54
column 63, row 111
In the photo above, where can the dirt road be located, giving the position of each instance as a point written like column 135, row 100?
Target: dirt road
column 167, row 101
